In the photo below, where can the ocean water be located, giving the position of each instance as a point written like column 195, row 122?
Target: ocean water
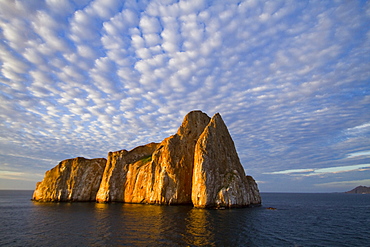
column 299, row 220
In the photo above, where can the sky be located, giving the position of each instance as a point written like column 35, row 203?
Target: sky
column 291, row 80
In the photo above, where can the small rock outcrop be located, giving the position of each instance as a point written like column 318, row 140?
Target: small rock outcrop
column 198, row 165
column 75, row 179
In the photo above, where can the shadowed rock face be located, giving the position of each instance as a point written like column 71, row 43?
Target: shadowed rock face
column 75, row 179
column 198, row 165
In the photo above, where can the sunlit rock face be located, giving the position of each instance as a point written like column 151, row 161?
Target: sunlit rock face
column 218, row 178
column 120, row 168
column 75, row 179
column 198, row 165
column 173, row 162
column 158, row 173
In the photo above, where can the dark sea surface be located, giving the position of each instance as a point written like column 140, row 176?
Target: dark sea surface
column 299, row 220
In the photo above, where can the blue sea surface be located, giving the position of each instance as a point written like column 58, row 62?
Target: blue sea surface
column 299, row 220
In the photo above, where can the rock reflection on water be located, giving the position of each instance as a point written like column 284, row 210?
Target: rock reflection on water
column 119, row 224
column 148, row 225
column 137, row 225
column 199, row 229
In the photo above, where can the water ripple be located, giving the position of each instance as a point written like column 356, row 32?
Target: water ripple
column 299, row 220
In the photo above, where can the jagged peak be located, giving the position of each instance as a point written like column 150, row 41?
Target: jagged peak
column 217, row 118
column 193, row 121
column 216, row 124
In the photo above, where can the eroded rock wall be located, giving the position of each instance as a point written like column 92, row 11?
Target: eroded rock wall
column 119, row 169
column 75, row 179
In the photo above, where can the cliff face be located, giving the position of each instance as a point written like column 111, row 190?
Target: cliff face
column 219, row 179
column 75, row 179
column 173, row 162
column 116, row 173
column 162, row 173
column 198, row 165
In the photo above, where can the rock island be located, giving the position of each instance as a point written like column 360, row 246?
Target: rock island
column 198, row 165
column 359, row 190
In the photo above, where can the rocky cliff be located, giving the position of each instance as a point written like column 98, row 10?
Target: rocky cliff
column 119, row 169
column 219, row 179
column 75, row 179
column 198, row 165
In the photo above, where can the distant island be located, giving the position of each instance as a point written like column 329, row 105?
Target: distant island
column 359, row 190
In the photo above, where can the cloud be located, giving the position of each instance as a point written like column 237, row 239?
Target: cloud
column 289, row 78
column 46, row 27
column 11, row 175
column 61, row 6
column 322, row 171
column 348, row 184
column 360, row 129
column 293, row 171
column 357, row 154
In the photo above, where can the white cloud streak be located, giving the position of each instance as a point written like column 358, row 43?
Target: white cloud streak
column 348, row 184
column 322, row 171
